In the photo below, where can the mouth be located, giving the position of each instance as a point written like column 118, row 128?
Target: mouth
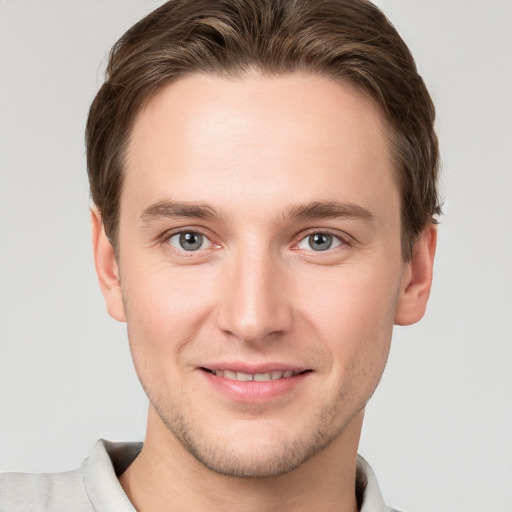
column 254, row 377
column 251, row 384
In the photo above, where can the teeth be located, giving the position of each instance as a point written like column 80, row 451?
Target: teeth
column 244, row 377
column 258, row 377
column 261, row 377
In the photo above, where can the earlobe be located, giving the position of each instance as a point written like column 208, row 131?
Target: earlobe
column 107, row 268
column 417, row 279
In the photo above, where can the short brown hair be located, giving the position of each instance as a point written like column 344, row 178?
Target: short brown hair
column 346, row 40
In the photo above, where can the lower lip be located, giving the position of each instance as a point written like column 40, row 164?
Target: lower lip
column 255, row 391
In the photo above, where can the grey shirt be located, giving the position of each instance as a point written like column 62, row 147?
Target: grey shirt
column 94, row 486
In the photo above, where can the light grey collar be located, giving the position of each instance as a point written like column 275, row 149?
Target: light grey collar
column 108, row 460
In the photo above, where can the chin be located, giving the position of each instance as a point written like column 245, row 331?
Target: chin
column 260, row 460
column 262, row 451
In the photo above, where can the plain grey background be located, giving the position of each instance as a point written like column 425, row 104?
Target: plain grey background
column 438, row 431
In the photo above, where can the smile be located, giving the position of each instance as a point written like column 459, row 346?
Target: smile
column 256, row 377
column 258, row 384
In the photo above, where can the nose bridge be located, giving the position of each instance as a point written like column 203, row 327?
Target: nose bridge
column 255, row 306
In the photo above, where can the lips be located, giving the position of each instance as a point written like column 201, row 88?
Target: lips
column 254, row 384
column 256, row 377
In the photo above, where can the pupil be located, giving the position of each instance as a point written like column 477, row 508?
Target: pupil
column 191, row 241
column 320, row 241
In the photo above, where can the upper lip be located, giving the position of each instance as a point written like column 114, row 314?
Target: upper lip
column 253, row 369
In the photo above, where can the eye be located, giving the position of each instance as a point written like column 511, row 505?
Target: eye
column 189, row 241
column 320, row 242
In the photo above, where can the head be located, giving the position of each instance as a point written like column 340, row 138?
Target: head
column 264, row 177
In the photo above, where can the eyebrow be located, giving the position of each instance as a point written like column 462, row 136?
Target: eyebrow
column 329, row 210
column 165, row 209
column 307, row 211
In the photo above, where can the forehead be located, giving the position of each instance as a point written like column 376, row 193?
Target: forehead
column 208, row 138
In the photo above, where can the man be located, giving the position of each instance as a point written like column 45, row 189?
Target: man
column 264, row 185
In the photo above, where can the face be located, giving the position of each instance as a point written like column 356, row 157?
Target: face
column 260, row 265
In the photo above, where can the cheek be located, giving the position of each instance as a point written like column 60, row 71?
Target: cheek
column 165, row 308
column 161, row 296
column 354, row 315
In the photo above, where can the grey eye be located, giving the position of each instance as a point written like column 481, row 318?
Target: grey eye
column 188, row 241
column 320, row 241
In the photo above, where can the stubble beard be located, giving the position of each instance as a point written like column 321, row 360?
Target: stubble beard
column 278, row 457
column 248, row 458
column 271, row 460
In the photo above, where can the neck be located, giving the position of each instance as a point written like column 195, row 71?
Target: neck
column 166, row 477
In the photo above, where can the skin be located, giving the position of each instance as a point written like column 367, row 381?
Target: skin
column 246, row 163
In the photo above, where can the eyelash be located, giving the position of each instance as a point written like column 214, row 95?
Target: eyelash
column 344, row 240
column 166, row 237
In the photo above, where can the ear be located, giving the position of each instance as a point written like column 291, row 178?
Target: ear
column 417, row 279
column 107, row 268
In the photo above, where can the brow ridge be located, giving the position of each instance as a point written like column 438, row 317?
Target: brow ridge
column 329, row 210
column 168, row 208
column 306, row 211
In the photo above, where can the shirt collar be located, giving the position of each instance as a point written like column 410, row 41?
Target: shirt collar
column 100, row 473
column 108, row 460
column 366, row 482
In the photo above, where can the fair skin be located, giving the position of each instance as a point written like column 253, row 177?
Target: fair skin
column 259, row 233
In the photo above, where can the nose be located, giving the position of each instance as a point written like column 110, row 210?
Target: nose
column 255, row 305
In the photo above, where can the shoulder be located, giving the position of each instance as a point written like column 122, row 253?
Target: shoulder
column 92, row 487
column 55, row 492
